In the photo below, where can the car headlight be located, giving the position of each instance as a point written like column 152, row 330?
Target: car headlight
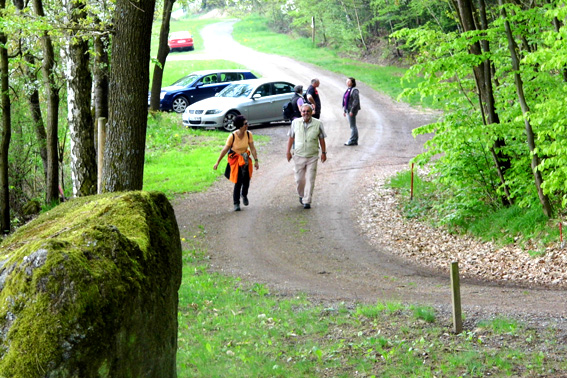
column 213, row 111
column 162, row 95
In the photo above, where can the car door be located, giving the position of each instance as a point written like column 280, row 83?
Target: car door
column 282, row 93
column 207, row 86
column 261, row 108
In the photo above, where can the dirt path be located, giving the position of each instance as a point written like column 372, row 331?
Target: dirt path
column 321, row 251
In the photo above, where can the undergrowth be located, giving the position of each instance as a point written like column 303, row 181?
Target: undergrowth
column 433, row 202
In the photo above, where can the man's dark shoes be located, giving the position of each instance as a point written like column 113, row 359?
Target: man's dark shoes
column 307, row 206
column 301, row 200
column 245, row 200
column 351, row 144
column 237, row 207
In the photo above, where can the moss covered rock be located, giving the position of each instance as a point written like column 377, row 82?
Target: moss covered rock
column 89, row 289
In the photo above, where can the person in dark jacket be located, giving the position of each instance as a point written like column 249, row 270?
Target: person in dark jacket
column 297, row 101
column 312, row 95
column 351, row 106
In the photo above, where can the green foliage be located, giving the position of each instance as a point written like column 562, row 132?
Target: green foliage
column 501, row 325
column 253, row 32
column 435, row 202
column 462, row 144
column 424, row 313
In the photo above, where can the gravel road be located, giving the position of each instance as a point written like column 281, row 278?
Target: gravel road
column 323, row 251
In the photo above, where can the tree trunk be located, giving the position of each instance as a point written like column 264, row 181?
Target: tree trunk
column 483, row 79
column 35, row 112
column 79, row 85
column 101, row 70
column 163, row 51
column 544, row 200
column 129, row 79
column 6, row 133
column 52, row 94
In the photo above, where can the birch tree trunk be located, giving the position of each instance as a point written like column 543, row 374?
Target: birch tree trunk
column 129, row 80
column 79, row 85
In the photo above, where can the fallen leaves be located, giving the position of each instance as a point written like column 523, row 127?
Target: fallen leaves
column 384, row 225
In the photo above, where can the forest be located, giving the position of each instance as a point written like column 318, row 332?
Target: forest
column 496, row 69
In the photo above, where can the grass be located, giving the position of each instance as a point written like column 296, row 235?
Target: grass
column 180, row 160
column 229, row 328
column 252, row 31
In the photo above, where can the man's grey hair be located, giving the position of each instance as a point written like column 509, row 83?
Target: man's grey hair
column 313, row 81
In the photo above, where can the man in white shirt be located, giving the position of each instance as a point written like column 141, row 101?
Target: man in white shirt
column 306, row 134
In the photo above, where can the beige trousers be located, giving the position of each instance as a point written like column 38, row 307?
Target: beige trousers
column 305, row 171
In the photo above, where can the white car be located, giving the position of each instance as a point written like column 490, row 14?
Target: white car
column 259, row 100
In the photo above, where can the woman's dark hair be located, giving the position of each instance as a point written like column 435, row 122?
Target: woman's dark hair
column 298, row 89
column 352, row 81
column 239, row 121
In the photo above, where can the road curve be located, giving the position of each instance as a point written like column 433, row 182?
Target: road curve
column 321, row 251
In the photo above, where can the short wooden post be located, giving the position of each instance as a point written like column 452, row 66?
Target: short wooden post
column 411, row 186
column 456, row 292
column 100, row 153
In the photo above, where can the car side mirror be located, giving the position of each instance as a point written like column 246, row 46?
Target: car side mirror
column 256, row 95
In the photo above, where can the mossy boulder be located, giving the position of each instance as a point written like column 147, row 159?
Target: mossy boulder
column 89, row 289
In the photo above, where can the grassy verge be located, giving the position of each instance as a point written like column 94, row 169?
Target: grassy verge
column 228, row 328
column 180, row 160
column 505, row 225
column 252, row 31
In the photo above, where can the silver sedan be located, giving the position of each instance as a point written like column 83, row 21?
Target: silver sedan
column 259, row 100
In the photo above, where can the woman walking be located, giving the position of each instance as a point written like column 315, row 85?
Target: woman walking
column 351, row 106
column 240, row 148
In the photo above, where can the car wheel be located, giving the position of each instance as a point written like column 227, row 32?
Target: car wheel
column 179, row 104
column 228, row 121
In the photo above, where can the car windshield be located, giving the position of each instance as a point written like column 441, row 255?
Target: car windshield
column 187, row 80
column 236, row 90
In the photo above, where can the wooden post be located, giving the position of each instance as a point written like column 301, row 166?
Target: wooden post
column 100, row 151
column 411, row 188
column 456, row 292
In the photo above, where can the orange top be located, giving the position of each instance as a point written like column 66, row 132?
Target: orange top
column 236, row 161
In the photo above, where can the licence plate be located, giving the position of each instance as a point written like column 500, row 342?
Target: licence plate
column 195, row 119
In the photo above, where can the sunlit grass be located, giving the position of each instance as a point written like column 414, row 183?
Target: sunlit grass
column 252, row 31
column 229, row 328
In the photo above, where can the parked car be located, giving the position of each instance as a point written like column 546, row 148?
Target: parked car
column 181, row 40
column 197, row 86
column 259, row 100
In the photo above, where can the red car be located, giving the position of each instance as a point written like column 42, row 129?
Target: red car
column 180, row 41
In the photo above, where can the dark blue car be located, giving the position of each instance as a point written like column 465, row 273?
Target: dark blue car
column 197, row 86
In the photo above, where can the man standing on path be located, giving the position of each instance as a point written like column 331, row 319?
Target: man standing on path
column 312, row 96
column 306, row 133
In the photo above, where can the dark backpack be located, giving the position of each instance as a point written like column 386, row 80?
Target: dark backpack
column 288, row 110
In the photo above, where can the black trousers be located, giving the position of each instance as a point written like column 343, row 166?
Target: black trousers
column 241, row 186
